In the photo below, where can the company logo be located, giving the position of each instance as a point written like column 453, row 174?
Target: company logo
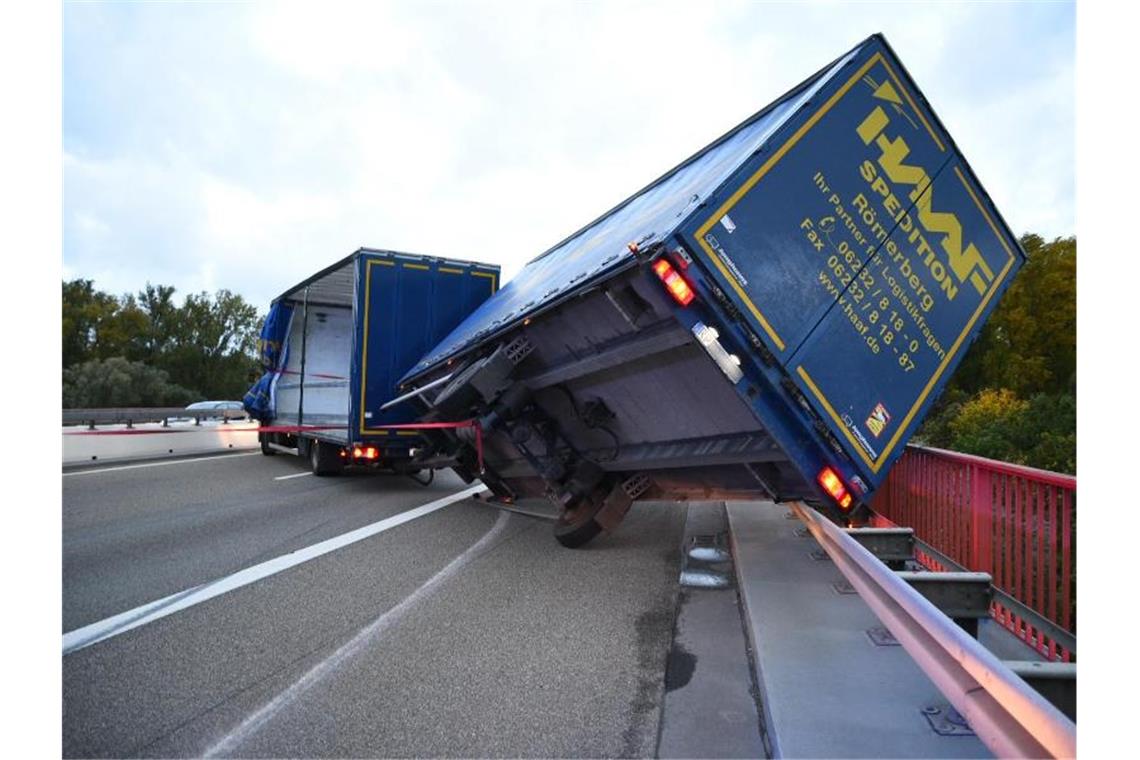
column 964, row 258
column 878, row 420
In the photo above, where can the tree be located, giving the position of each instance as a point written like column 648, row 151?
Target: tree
column 207, row 344
column 1014, row 395
column 1029, row 344
column 212, row 344
column 157, row 303
column 85, row 312
column 116, row 382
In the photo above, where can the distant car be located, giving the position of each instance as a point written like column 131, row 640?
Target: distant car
column 219, row 409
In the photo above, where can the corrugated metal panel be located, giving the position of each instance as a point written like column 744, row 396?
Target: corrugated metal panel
column 647, row 217
column 334, row 285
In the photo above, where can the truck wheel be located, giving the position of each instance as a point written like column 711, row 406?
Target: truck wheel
column 263, row 438
column 324, row 458
column 577, row 527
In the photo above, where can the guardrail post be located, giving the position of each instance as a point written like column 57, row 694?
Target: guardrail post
column 197, row 420
column 981, row 520
column 91, row 425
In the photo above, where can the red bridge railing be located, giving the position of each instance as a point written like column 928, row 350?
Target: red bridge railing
column 1016, row 523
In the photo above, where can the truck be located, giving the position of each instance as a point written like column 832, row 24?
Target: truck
column 333, row 346
column 770, row 319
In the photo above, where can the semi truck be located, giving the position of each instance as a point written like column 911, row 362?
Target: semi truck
column 333, row 346
column 771, row 318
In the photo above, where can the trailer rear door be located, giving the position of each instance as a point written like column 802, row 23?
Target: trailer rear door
column 405, row 305
column 862, row 251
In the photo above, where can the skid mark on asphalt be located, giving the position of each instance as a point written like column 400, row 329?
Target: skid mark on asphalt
column 366, row 636
column 147, row 613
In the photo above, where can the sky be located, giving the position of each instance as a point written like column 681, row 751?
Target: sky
column 246, row 146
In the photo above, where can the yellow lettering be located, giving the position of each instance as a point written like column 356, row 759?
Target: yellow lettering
column 893, row 153
column 875, row 122
column 961, row 262
column 966, row 263
column 868, row 170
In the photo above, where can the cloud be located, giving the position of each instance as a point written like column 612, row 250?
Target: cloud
column 248, row 145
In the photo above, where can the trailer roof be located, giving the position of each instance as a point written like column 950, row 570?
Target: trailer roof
column 334, row 285
column 647, row 217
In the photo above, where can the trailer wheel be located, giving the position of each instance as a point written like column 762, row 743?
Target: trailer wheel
column 577, row 527
column 324, row 458
column 263, row 438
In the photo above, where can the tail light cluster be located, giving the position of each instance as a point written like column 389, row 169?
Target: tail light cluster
column 368, row 453
column 831, row 483
column 681, row 291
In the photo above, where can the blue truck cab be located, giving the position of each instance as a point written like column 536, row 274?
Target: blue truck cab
column 772, row 318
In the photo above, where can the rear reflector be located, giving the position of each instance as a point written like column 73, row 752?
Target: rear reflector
column 674, row 283
column 831, row 483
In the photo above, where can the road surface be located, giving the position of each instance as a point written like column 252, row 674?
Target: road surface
column 462, row 631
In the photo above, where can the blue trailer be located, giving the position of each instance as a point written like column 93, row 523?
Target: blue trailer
column 771, row 318
column 334, row 346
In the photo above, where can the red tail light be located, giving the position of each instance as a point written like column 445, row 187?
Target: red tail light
column 674, row 283
column 364, row 452
column 831, row 483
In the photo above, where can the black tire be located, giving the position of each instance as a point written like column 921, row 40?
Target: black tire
column 324, row 458
column 576, row 536
column 265, row 449
column 576, row 528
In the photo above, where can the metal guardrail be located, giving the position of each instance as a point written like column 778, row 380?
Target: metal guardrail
column 1007, row 715
column 1064, row 640
column 132, row 415
column 1016, row 523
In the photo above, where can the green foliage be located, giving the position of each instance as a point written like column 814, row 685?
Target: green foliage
column 989, row 425
column 1040, row 432
column 207, row 344
column 1051, row 432
column 86, row 313
column 1029, row 344
column 116, row 382
column 1013, row 397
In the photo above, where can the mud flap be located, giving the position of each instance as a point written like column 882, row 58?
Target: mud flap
column 620, row 499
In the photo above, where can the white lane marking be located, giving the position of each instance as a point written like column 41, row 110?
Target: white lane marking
column 365, row 636
column 157, row 464
column 148, row 613
column 297, row 475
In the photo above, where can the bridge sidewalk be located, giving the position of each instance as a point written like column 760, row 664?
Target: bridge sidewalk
column 827, row 689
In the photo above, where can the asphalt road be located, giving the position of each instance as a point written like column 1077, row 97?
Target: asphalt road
column 464, row 632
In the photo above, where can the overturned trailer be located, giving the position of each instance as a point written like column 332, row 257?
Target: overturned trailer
column 770, row 319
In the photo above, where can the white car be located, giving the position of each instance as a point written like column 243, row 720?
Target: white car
column 234, row 410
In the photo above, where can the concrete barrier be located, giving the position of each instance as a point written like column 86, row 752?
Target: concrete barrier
column 149, row 441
